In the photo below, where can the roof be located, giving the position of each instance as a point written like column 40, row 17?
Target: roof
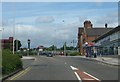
column 96, row 31
column 116, row 29
column 40, row 46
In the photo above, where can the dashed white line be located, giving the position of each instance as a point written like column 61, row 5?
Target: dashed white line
column 78, row 77
column 91, row 76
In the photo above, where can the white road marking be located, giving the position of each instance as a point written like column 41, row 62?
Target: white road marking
column 88, row 79
column 78, row 76
column 73, row 68
column 65, row 63
column 91, row 76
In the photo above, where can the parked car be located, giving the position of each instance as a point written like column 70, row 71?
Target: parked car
column 49, row 55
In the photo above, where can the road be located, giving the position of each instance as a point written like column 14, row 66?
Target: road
column 67, row 68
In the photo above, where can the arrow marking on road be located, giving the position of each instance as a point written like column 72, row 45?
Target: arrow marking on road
column 83, row 76
column 73, row 68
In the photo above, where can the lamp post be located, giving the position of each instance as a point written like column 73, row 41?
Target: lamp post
column 65, row 48
column 28, row 45
column 64, row 42
column 86, row 44
column 55, row 45
column 0, row 41
column 73, row 44
column 14, row 22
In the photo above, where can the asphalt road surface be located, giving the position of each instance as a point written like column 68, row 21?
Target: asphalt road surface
column 67, row 68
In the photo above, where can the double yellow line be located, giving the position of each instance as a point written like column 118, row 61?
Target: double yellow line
column 20, row 74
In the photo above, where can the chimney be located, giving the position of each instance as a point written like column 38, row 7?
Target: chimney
column 87, row 24
column 91, row 25
column 106, row 25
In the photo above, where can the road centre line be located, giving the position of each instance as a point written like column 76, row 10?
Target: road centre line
column 91, row 76
column 21, row 73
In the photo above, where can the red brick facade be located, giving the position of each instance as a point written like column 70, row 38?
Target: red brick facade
column 88, row 34
column 7, row 43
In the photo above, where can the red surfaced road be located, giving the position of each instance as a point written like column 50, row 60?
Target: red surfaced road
column 86, row 78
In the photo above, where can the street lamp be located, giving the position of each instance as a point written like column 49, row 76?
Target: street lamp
column 73, row 44
column 14, row 22
column 86, row 44
column 64, row 42
column 55, row 45
column 65, row 48
column 28, row 45
column 0, row 41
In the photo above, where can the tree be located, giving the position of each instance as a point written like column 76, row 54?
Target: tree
column 53, row 47
column 17, row 45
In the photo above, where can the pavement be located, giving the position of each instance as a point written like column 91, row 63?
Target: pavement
column 27, row 61
column 112, row 60
column 28, row 57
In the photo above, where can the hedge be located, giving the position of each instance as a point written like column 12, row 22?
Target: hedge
column 74, row 54
column 10, row 62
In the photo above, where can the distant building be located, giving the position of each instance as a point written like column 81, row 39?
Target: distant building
column 88, row 34
column 7, row 43
column 109, row 43
column 40, row 48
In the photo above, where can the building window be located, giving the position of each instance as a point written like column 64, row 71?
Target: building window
column 114, row 36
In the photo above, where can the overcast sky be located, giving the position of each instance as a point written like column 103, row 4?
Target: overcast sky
column 48, row 23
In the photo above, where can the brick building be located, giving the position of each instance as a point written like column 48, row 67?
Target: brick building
column 7, row 43
column 88, row 34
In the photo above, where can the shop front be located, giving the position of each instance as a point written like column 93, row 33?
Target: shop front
column 109, row 43
column 90, row 49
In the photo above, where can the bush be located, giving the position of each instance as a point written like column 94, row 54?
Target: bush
column 10, row 62
column 32, row 53
column 19, row 54
column 74, row 53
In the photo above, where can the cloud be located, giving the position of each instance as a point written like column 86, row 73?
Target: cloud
column 44, row 19
column 108, row 18
column 82, row 19
column 46, row 36
column 59, row 0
